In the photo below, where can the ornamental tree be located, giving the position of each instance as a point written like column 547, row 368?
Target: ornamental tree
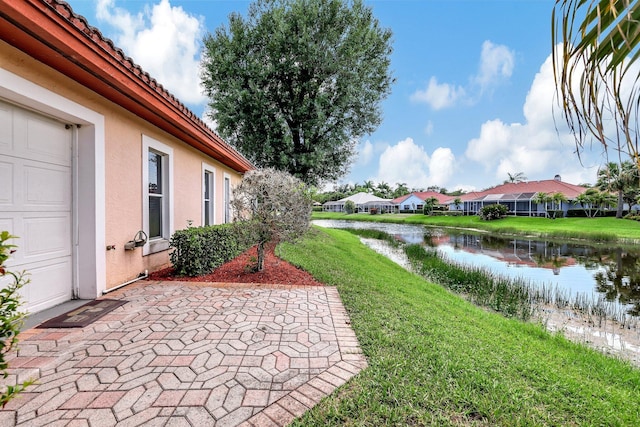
column 296, row 83
column 273, row 206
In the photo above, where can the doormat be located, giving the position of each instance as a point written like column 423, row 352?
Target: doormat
column 82, row 316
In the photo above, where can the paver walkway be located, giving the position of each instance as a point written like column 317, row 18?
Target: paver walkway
column 184, row 354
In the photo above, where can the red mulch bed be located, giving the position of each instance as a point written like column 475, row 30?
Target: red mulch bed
column 238, row 270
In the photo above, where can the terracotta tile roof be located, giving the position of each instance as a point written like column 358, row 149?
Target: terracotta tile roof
column 51, row 32
column 549, row 186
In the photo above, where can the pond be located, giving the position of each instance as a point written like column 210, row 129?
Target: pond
column 608, row 272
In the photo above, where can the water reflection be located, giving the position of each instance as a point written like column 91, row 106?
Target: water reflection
column 620, row 280
column 612, row 273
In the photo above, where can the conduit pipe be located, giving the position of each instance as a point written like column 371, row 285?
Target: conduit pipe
column 141, row 276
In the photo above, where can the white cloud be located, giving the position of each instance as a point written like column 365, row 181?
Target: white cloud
column 164, row 40
column 365, row 153
column 428, row 130
column 439, row 95
column 496, row 64
column 209, row 120
column 409, row 163
column 441, row 167
column 535, row 147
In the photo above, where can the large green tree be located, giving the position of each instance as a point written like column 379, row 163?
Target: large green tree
column 294, row 84
column 596, row 79
column 618, row 178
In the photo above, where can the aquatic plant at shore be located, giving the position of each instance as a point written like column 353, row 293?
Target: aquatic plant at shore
column 507, row 296
column 513, row 297
column 519, row 297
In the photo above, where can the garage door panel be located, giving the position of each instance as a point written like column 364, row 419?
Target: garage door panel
column 46, row 186
column 34, row 186
column 7, row 187
column 13, row 223
column 57, row 230
column 46, row 140
column 27, row 135
column 44, row 289
column 6, row 127
column 7, row 223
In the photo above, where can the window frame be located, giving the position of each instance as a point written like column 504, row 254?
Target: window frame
column 161, row 243
column 208, row 169
column 227, row 216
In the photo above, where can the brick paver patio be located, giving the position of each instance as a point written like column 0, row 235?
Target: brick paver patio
column 184, row 354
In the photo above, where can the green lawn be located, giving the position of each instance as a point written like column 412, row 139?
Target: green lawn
column 598, row 229
column 435, row 359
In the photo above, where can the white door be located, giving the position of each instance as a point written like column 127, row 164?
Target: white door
column 36, row 201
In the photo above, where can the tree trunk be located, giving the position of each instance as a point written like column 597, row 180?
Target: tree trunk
column 260, row 266
column 620, row 204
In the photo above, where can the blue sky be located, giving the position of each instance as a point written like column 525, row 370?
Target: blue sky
column 473, row 98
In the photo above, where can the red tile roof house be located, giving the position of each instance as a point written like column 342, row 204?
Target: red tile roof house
column 414, row 202
column 518, row 197
column 93, row 150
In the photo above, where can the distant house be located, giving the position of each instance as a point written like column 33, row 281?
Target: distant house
column 99, row 163
column 364, row 203
column 519, row 197
column 414, row 202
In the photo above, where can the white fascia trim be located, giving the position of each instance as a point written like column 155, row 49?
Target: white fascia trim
column 209, row 168
column 90, row 263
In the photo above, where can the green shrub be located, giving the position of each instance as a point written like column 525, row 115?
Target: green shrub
column 11, row 319
column 349, row 207
column 200, row 250
column 634, row 216
column 491, row 212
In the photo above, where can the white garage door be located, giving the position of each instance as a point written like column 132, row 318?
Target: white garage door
column 35, row 202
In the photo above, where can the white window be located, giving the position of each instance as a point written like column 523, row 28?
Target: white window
column 157, row 189
column 227, row 198
column 208, row 194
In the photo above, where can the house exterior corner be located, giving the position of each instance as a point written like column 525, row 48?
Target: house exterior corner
column 92, row 152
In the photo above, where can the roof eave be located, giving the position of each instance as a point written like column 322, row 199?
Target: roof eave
column 50, row 32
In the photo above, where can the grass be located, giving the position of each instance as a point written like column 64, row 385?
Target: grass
column 436, row 359
column 511, row 297
column 592, row 229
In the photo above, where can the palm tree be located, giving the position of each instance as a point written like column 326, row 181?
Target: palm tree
column 383, row 190
column 516, row 177
column 617, row 178
column 401, row 189
column 595, row 82
column 429, row 205
column 368, row 186
column 586, row 202
column 457, row 202
column 557, row 199
column 542, row 199
column 604, row 200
